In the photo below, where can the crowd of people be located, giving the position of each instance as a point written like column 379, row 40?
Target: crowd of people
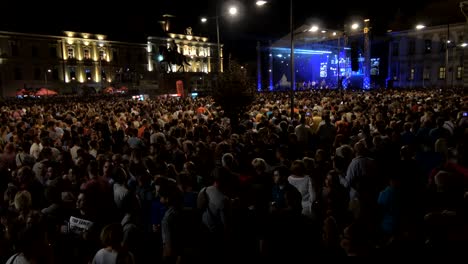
column 114, row 180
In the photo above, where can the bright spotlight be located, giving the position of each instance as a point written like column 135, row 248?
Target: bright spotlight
column 203, row 19
column 233, row 11
column 420, row 26
column 464, row 44
column 314, row 29
column 260, row 3
column 355, row 26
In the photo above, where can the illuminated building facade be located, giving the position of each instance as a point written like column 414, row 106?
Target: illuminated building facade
column 429, row 57
column 75, row 60
column 201, row 54
column 67, row 63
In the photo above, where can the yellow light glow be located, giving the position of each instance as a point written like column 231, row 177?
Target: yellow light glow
column 101, row 45
column 172, row 35
column 81, row 78
column 85, row 36
column 204, row 39
column 109, row 80
column 96, row 74
column 70, row 34
column 189, row 37
column 86, row 43
column 70, row 41
column 100, row 37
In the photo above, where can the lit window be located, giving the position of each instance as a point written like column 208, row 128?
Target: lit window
column 441, row 73
column 88, row 74
column 72, row 74
column 71, row 53
column 86, row 54
column 102, row 55
column 459, row 72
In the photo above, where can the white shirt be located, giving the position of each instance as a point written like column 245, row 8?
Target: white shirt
column 304, row 186
column 74, row 152
column 18, row 259
column 104, row 256
column 120, row 191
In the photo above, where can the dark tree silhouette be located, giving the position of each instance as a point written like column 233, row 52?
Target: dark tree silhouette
column 234, row 92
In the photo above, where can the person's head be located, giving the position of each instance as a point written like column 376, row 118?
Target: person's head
column 170, row 195
column 298, row 168
column 259, row 165
column 112, row 236
column 360, row 148
column 280, row 175
column 107, row 168
column 23, row 201
column 281, row 152
column 227, row 161
column 93, row 169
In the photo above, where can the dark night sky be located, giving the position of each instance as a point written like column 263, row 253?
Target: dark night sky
column 133, row 20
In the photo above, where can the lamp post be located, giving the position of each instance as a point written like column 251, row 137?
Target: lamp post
column 232, row 11
column 420, row 27
column 293, row 72
column 45, row 76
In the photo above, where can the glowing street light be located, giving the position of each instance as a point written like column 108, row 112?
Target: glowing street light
column 233, row 11
column 261, row 3
column 464, row 44
column 314, row 29
column 354, row 26
column 420, row 26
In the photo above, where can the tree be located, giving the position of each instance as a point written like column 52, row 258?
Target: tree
column 234, row 92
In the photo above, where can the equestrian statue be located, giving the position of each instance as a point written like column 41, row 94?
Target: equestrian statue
column 172, row 56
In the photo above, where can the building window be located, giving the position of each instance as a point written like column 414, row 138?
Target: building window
column 34, row 51
column 86, row 54
column 53, row 52
column 71, row 53
column 427, row 46
column 412, row 47
column 115, row 56
column 411, row 74
column 459, row 72
column 37, row 74
column 88, row 74
column 427, row 74
column 72, row 74
column 441, row 73
column 395, row 47
column 18, row 74
column 103, row 75
column 14, row 48
column 102, row 55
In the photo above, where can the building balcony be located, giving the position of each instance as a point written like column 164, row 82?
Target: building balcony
column 72, row 61
column 88, row 62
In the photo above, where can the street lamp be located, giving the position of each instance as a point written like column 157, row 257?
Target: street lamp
column 354, row 26
column 261, row 3
column 45, row 75
column 314, row 28
column 420, row 26
column 232, row 11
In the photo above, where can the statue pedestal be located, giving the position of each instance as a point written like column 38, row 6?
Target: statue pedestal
column 178, row 82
